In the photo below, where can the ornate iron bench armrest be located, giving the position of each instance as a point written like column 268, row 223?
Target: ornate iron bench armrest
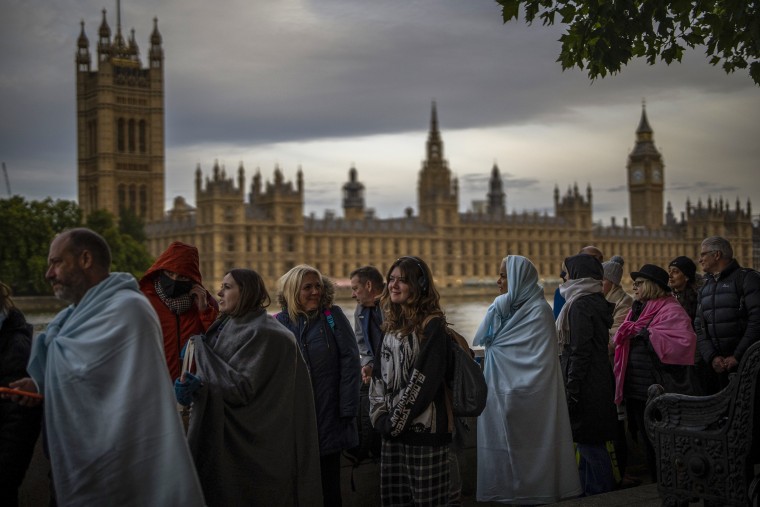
column 688, row 413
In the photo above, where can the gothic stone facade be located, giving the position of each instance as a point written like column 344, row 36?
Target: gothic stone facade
column 268, row 232
column 120, row 125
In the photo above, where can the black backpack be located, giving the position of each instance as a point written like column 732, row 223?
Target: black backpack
column 467, row 384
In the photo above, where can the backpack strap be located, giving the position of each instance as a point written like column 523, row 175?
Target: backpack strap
column 330, row 319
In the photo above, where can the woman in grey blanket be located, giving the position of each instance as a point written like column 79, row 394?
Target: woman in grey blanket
column 253, row 430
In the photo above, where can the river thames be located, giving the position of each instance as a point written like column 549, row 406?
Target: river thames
column 463, row 313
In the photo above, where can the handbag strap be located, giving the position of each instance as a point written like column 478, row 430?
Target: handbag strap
column 187, row 361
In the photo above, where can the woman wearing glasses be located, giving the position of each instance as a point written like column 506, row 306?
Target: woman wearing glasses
column 408, row 401
column 655, row 344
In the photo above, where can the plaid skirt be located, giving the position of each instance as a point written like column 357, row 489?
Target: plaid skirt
column 414, row 474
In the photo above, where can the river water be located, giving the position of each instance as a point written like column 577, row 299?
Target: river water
column 464, row 314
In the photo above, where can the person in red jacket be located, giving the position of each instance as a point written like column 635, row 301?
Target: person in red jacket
column 173, row 285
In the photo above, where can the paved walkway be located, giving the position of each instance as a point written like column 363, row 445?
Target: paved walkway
column 361, row 486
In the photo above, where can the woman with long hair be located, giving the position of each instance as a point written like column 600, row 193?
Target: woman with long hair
column 252, row 432
column 408, row 403
column 525, row 444
column 328, row 345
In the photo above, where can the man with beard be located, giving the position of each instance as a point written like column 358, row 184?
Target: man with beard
column 111, row 425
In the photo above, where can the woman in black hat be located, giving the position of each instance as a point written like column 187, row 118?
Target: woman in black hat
column 655, row 344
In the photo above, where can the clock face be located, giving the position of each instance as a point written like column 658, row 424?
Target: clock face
column 656, row 175
column 638, row 175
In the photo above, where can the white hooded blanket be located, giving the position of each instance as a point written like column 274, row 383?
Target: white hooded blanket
column 113, row 431
column 525, row 445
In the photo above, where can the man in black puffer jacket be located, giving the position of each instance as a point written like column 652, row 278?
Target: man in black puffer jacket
column 728, row 317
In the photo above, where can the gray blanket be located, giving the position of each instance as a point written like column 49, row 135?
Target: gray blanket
column 253, row 429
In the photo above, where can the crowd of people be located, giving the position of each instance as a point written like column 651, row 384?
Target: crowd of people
column 275, row 399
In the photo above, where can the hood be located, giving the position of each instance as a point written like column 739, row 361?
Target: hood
column 584, row 266
column 180, row 258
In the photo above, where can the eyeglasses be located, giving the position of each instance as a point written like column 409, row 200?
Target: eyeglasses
column 637, row 284
column 702, row 254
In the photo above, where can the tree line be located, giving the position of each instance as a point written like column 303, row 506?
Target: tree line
column 28, row 227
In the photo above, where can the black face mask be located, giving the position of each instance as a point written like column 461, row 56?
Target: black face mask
column 174, row 288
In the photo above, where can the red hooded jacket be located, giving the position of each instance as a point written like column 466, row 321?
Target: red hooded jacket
column 182, row 259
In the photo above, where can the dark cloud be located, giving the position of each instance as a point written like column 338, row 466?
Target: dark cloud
column 240, row 75
column 704, row 187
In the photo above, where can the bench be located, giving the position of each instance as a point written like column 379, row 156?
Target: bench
column 703, row 444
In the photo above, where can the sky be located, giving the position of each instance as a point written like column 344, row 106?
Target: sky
column 330, row 84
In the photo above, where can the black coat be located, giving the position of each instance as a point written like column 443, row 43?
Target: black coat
column 19, row 426
column 639, row 373
column 332, row 356
column 589, row 381
column 728, row 319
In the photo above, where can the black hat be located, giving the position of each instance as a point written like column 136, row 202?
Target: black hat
column 686, row 266
column 654, row 273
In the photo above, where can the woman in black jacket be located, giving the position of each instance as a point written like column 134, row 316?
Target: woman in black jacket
column 328, row 345
column 583, row 331
column 19, row 425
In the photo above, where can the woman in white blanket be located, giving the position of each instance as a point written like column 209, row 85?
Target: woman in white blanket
column 525, row 446
column 253, row 431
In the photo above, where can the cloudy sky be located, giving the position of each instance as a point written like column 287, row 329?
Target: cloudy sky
column 328, row 84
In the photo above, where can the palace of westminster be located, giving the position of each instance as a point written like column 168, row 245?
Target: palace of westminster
column 120, row 126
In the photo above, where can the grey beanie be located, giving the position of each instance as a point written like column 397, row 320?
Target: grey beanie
column 613, row 269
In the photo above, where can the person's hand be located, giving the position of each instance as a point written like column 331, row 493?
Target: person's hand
column 185, row 387
column 642, row 335
column 731, row 363
column 366, row 373
column 719, row 364
column 23, row 384
column 199, row 294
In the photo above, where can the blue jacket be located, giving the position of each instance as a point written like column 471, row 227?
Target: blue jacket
column 332, row 356
column 369, row 336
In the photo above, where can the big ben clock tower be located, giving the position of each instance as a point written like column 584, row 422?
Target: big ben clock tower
column 645, row 178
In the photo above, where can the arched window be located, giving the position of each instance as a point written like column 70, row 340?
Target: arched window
column 142, row 136
column 92, row 139
column 120, row 134
column 131, row 136
column 143, row 201
column 132, row 198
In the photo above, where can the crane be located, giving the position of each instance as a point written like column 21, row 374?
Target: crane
column 7, row 181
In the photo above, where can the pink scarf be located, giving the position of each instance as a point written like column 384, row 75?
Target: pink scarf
column 670, row 332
